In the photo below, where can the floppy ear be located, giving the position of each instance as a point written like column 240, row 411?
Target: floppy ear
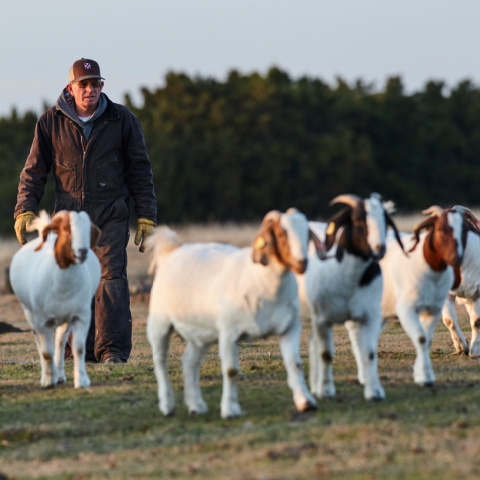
column 51, row 227
column 339, row 220
column 428, row 223
column 389, row 222
column 471, row 222
column 262, row 247
column 95, row 233
column 263, row 243
column 320, row 247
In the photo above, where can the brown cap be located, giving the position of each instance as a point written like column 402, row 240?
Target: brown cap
column 83, row 69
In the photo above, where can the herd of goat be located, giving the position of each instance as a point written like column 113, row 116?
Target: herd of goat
column 351, row 270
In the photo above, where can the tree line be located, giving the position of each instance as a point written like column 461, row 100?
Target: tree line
column 232, row 150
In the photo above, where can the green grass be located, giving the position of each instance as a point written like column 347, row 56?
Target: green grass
column 114, row 428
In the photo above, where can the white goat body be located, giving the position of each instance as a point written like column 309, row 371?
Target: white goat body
column 416, row 285
column 346, row 288
column 213, row 292
column 55, row 277
column 467, row 292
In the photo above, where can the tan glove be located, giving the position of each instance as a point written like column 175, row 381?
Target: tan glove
column 21, row 223
column 144, row 229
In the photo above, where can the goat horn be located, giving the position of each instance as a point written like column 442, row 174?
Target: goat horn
column 347, row 198
column 60, row 213
column 434, row 211
column 271, row 216
column 468, row 215
column 461, row 209
column 389, row 207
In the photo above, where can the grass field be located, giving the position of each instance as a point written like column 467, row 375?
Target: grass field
column 114, row 428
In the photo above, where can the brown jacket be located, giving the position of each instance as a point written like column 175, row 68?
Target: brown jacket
column 98, row 175
column 112, row 164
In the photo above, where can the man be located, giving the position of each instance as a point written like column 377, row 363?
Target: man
column 96, row 152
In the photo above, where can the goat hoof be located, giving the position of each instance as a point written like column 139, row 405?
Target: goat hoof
column 84, row 384
column 308, row 407
column 325, row 394
column 197, row 411
column 231, row 415
column 429, row 384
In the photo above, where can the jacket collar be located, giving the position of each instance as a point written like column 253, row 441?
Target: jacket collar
column 64, row 107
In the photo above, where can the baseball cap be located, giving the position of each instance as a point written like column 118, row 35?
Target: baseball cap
column 83, row 69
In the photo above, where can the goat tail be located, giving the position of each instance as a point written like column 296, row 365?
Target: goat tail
column 162, row 242
column 39, row 223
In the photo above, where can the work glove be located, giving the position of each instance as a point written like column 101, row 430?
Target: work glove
column 144, row 229
column 21, row 223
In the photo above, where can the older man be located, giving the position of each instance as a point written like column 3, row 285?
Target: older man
column 96, row 152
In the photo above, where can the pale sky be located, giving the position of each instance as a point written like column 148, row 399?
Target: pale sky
column 137, row 42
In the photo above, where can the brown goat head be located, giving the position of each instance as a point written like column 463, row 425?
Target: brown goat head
column 273, row 241
column 445, row 242
column 353, row 222
column 64, row 253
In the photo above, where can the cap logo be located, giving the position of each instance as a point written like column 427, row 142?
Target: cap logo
column 87, row 66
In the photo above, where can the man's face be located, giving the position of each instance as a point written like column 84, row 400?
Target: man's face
column 86, row 93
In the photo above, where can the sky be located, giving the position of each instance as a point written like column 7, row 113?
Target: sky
column 137, row 42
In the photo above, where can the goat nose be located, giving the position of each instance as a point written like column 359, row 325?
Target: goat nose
column 302, row 265
column 82, row 254
column 380, row 251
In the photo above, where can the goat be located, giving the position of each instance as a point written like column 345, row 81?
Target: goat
column 415, row 286
column 467, row 289
column 211, row 292
column 55, row 277
column 347, row 288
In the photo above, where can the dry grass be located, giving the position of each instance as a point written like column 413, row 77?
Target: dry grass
column 115, row 430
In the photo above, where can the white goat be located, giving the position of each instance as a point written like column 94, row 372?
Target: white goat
column 347, row 288
column 55, row 277
column 415, row 286
column 211, row 292
column 466, row 289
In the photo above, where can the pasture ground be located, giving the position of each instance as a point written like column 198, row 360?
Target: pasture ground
column 114, row 428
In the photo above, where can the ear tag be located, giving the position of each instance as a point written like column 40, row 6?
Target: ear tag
column 259, row 243
column 330, row 228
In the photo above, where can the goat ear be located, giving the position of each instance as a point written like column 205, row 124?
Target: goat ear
column 262, row 248
column 472, row 224
column 340, row 219
column 95, row 233
column 320, row 247
column 391, row 223
column 263, row 243
column 428, row 223
column 51, row 227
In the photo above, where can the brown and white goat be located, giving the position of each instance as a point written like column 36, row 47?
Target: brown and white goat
column 55, row 277
column 466, row 289
column 416, row 286
column 346, row 287
column 211, row 292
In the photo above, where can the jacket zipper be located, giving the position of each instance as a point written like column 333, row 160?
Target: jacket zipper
column 84, row 147
column 84, row 150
